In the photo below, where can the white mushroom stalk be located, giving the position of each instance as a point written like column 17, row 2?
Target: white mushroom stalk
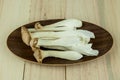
column 78, row 33
column 69, row 55
column 85, row 49
column 69, row 24
column 59, row 28
column 56, row 35
column 66, row 44
column 66, row 23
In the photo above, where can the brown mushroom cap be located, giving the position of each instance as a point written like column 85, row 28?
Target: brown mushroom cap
column 25, row 35
column 38, row 26
column 37, row 55
column 33, row 43
column 37, row 51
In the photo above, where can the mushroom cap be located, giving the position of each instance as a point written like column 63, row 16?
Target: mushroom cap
column 38, row 55
column 25, row 35
column 33, row 43
column 38, row 26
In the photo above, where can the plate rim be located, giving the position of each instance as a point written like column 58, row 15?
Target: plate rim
column 64, row 64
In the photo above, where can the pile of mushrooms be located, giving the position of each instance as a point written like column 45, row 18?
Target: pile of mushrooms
column 63, row 40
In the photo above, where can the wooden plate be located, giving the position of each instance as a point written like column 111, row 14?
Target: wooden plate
column 103, row 42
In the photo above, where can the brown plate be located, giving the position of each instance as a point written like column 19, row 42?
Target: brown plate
column 103, row 42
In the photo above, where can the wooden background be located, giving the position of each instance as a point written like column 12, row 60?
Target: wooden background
column 14, row 13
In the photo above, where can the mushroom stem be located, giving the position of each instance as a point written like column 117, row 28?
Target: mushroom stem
column 78, row 33
column 59, row 28
column 69, row 55
column 69, row 24
column 65, row 44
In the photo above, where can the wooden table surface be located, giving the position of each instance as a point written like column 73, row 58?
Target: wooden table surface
column 14, row 13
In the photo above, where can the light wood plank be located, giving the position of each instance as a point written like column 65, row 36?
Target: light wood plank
column 106, row 67
column 86, row 71
column 41, row 10
column 12, row 14
column 112, row 10
column 94, row 70
column 38, row 72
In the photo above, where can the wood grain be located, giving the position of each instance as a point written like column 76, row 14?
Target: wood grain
column 43, row 72
column 11, row 16
column 105, row 13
